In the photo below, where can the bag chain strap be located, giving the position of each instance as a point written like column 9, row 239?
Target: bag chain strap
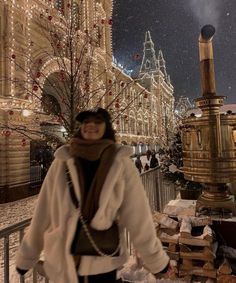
column 85, row 227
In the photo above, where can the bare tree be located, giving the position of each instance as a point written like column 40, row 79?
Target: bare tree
column 79, row 81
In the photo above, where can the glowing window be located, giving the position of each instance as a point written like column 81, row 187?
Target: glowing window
column 234, row 136
column 59, row 5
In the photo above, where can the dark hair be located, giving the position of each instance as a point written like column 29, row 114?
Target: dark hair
column 109, row 132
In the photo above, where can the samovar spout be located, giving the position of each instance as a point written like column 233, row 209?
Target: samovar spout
column 207, row 61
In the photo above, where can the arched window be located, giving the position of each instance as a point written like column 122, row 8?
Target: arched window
column 59, row 5
column 147, row 64
column 50, row 104
column 99, row 36
column 75, row 15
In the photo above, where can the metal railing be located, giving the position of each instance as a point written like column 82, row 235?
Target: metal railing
column 158, row 190
column 35, row 174
column 6, row 234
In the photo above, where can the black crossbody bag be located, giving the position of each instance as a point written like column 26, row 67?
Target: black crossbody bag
column 90, row 241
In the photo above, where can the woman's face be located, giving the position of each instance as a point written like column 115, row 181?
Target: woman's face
column 93, row 128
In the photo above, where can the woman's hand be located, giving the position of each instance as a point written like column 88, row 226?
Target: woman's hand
column 167, row 273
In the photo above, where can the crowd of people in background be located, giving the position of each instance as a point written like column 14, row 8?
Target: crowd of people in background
column 148, row 161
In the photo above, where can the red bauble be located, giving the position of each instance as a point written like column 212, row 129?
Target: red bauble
column 136, row 57
column 86, row 87
column 145, row 95
column 110, row 93
column 49, row 18
column 10, row 112
column 38, row 75
column 6, row 133
column 35, row 88
column 110, row 21
column 13, row 56
column 110, row 81
column 23, row 143
column 122, row 84
column 117, row 105
column 23, row 140
column 102, row 21
column 40, row 61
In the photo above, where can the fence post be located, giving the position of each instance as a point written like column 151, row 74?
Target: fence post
column 6, row 259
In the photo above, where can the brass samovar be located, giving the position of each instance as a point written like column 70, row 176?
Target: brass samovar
column 209, row 141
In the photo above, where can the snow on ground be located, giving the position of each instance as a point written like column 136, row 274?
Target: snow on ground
column 14, row 212
column 131, row 272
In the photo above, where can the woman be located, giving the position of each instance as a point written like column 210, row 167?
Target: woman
column 108, row 188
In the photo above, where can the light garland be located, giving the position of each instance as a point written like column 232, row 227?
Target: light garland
column 12, row 49
column 50, row 65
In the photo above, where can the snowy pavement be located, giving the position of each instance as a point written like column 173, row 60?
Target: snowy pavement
column 14, row 212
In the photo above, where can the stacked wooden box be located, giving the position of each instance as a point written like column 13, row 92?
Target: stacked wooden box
column 168, row 232
column 189, row 242
column 197, row 249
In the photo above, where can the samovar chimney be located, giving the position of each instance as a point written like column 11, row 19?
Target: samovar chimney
column 207, row 71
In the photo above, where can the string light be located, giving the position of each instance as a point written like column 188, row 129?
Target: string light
column 47, row 66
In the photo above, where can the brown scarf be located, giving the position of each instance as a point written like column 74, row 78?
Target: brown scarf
column 105, row 150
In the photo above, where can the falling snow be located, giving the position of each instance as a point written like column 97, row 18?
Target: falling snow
column 175, row 26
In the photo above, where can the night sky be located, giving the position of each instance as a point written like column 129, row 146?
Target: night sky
column 175, row 27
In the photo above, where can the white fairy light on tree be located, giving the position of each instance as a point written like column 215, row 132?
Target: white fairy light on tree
column 63, row 74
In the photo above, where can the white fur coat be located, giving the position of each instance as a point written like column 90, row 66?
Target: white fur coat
column 55, row 219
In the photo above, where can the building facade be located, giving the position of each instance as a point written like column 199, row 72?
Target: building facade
column 183, row 105
column 35, row 72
